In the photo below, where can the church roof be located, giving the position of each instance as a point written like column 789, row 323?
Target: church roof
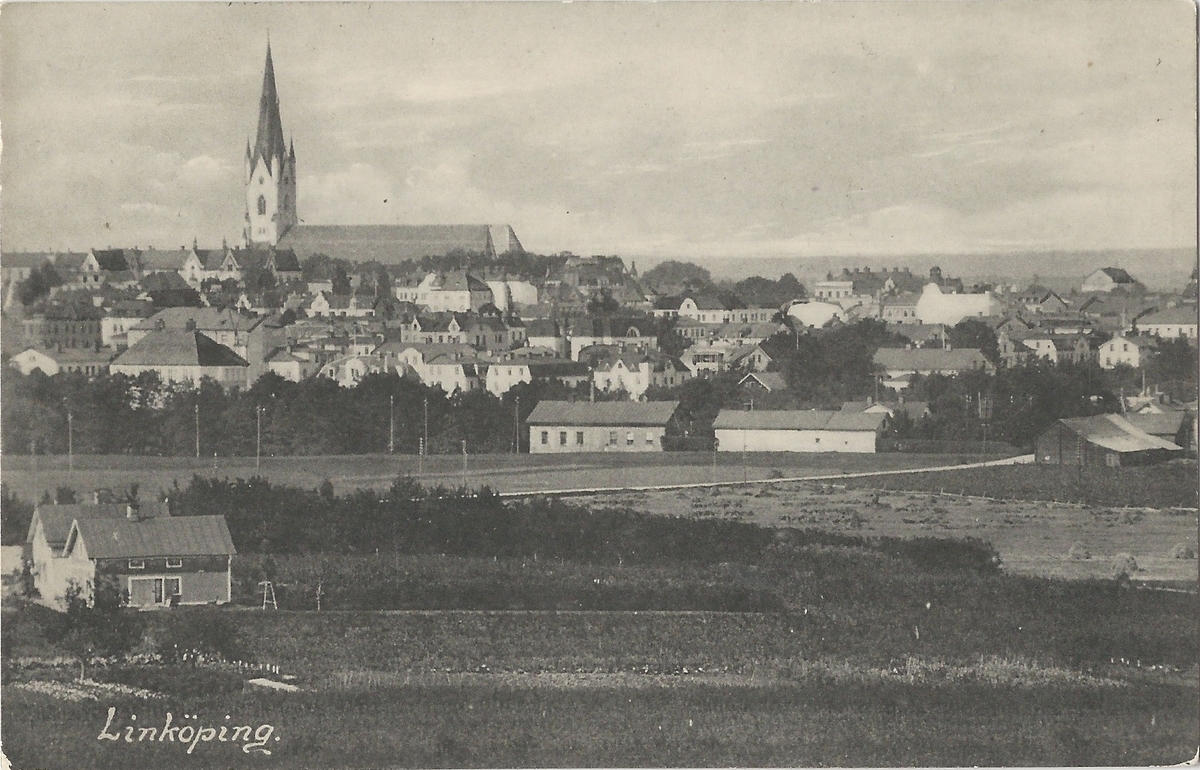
column 269, row 143
column 388, row 244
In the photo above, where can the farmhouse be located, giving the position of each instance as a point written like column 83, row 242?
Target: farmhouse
column 612, row 426
column 156, row 562
column 1104, row 440
column 766, row 430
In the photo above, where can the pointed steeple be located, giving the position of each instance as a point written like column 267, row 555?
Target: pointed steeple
column 269, row 144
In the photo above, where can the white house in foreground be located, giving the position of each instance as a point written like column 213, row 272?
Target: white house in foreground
column 769, row 430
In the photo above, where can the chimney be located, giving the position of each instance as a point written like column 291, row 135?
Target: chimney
column 96, row 497
column 131, row 512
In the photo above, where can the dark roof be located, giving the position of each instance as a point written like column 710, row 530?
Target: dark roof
column 56, row 519
column 1118, row 275
column 112, row 260
column 165, row 281
column 914, row 409
column 388, row 244
column 614, row 413
column 286, row 261
column 170, row 347
column 1112, row 431
column 554, row 367
column 205, row 319
column 669, row 302
column 615, row 326
column 1171, row 315
column 177, row 536
column 795, row 419
column 771, row 381
column 25, row 259
column 162, row 259
column 460, row 280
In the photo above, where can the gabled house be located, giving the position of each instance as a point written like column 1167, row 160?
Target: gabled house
column 456, row 291
column 1106, row 440
column 1107, row 279
column 1127, row 351
column 634, row 332
column 156, row 562
column 185, row 357
column 636, row 372
column 503, row 375
column 900, row 365
column 767, row 382
column 49, row 530
column 791, row 430
column 91, row 363
column 1170, row 323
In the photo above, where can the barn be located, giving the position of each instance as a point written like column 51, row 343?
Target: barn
column 770, row 430
column 1108, row 440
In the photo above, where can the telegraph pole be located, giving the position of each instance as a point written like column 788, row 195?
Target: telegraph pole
column 258, row 438
column 197, row 409
column 391, row 424
column 70, row 442
column 517, row 427
column 464, row 453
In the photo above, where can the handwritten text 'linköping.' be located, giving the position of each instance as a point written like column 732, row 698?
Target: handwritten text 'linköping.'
column 189, row 734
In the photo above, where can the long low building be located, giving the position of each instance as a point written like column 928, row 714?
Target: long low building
column 608, row 426
column 769, row 430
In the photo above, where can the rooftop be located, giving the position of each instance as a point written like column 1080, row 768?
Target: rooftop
column 614, row 413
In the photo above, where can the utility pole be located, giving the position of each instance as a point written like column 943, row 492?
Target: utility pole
column 464, row 453
column 391, row 424
column 258, row 438
column 744, row 472
column 197, row 409
column 716, row 442
column 70, row 441
column 425, row 440
column 517, row 427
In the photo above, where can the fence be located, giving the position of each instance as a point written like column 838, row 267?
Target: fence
column 947, row 446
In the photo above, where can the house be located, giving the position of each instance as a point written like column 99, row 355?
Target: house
column 184, row 357
column 347, row 371
column 900, row 308
column 453, row 368
column 457, row 291
column 295, row 366
column 169, row 290
column 914, row 410
column 1172, row 322
column 901, row 364
column 635, row 332
column 502, row 376
column 667, row 306
column 1058, row 348
column 327, row 305
column 1106, row 440
column 737, row 334
column 68, row 324
column 832, row 290
column 635, row 372
column 754, row 358
column 546, row 333
column 1106, row 279
column 90, row 363
column 791, row 430
column 108, row 266
column 156, row 562
column 704, row 307
column 1173, row 425
column 768, row 382
column 610, row 426
column 511, row 294
column 118, row 318
column 921, row 335
column 49, row 530
column 1127, row 351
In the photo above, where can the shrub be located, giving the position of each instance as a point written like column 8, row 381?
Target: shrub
column 1182, row 551
column 1124, row 565
column 1078, row 552
column 204, row 630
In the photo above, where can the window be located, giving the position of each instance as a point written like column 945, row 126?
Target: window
column 612, row 438
column 817, row 440
column 174, row 588
column 629, row 438
column 262, row 205
column 1107, row 361
column 1125, row 347
column 137, row 564
column 649, row 437
column 578, row 438
column 174, row 563
column 545, row 437
column 562, row 438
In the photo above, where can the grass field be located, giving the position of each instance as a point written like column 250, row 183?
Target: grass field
column 505, row 473
column 636, row 689
column 1032, row 538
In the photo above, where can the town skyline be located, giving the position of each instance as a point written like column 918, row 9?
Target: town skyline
column 651, row 133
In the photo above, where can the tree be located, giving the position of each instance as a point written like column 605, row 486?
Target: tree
column 341, row 280
column 99, row 627
column 676, row 275
column 603, row 303
column 973, row 333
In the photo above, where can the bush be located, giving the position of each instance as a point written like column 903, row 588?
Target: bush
column 1124, row 565
column 1078, row 552
column 203, row 630
column 1182, row 551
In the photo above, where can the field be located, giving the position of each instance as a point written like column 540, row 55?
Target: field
column 472, row 689
column 1032, row 538
column 505, row 473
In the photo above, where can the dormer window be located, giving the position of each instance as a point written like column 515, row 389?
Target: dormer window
column 137, row 564
column 174, row 563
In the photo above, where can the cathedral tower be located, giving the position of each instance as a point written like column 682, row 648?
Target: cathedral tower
column 270, row 172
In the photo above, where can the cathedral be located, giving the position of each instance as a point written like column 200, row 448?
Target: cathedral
column 272, row 219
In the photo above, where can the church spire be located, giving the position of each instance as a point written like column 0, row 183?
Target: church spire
column 269, row 144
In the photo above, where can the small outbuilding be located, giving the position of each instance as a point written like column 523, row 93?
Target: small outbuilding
column 1108, row 440
column 771, row 430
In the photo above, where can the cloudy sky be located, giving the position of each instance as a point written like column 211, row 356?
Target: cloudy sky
column 654, row 130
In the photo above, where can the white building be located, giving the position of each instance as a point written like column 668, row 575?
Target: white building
column 1129, row 351
column 934, row 307
column 610, row 426
column 766, row 430
column 1170, row 323
column 815, row 314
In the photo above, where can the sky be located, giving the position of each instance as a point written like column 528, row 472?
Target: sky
column 646, row 130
